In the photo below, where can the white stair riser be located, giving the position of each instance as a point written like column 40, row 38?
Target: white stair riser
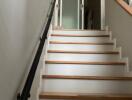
column 81, row 32
column 83, row 70
column 82, row 39
column 86, row 86
column 83, row 57
column 74, row 47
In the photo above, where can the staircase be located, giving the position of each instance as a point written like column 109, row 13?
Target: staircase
column 84, row 65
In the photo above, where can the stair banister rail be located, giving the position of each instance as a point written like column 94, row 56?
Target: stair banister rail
column 125, row 6
column 25, row 94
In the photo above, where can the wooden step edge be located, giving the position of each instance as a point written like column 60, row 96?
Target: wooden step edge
column 81, row 43
column 84, row 52
column 74, row 35
column 84, row 62
column 84, row 96
column 122, row 78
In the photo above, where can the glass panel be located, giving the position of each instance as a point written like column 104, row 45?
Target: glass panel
column 70, row 14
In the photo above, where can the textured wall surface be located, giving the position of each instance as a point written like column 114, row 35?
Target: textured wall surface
column 120, row 22
column 20, row 25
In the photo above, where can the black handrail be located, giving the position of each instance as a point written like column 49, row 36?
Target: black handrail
column 28, row 84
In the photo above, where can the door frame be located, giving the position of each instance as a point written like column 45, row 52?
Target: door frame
column 58, row 14
column 56, row 18
column 61, row 6
column 103, row 14
column 82, row 14
column 78, row 14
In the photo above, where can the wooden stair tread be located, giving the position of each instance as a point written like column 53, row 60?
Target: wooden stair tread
column 83, row 52
column 85, row 63
column 75, row 35
column 83, row 43
column 123, row 78
column 84, row 96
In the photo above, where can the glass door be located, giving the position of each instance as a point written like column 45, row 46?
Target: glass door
column 69, row 14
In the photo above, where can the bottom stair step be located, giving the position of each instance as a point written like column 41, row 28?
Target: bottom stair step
column 82, row 96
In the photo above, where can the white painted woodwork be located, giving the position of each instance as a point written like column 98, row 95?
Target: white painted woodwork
column 78, row 14
column 103, row 14
column 86, row 86
column 83, row 32
column 84, row 70
column 83, row 57
column 56, row 13
column 72, row 47
column 82, row 39
column 61, row 5
column 82, row 13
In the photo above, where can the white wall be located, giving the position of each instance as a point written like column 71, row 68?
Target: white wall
column 20, row 24
column 120, row 23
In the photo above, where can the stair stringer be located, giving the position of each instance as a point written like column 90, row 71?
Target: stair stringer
column 43, row 57
column 119, row 48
